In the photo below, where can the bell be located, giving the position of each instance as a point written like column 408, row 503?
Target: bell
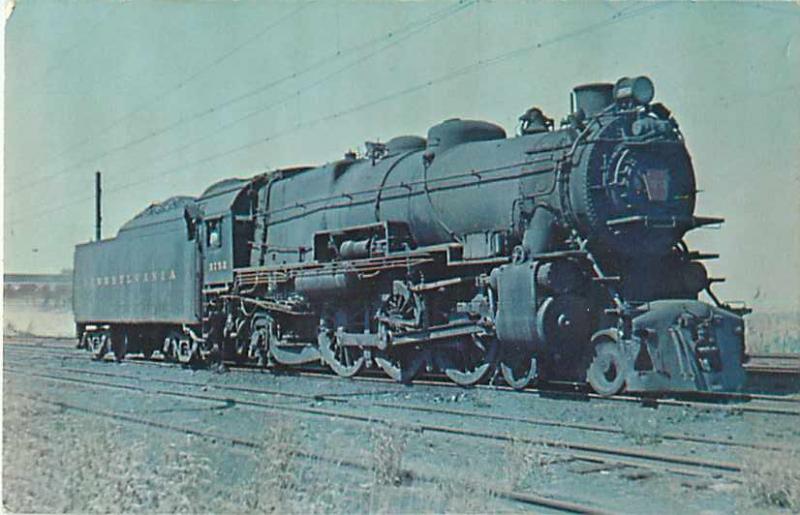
column 534, row 120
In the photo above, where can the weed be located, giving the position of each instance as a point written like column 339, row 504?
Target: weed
column 642, row 431
column 388, row 448
column 464, row 497
column 188, row 481
column 274, row 485
column 772, row 480
column 526, row 461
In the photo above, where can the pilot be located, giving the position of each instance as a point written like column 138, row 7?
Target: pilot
column 534, row 121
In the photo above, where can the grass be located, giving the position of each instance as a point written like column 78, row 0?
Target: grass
column 274, row 485
column 388, row 447
column 526, row 463
column 642, row 431
column 772, row 480
column 58, row 461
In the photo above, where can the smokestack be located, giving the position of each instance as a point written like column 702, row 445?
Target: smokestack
column 592, row 98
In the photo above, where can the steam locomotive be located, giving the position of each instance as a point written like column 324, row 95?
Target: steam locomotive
column 554, row 254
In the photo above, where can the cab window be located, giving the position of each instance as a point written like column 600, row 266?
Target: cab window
column 214, row 233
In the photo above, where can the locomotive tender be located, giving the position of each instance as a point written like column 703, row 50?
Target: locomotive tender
column 555, row 254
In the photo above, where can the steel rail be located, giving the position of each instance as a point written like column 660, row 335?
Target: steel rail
column 699, row 400
column 630, row 398
column 521, row 497
column 347, row 398
column 680, row 465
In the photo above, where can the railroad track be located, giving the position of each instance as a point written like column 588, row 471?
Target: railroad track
column 525, row 498
column 704, row 400
column 766, row 404
column 613, row 457
column 346, row 398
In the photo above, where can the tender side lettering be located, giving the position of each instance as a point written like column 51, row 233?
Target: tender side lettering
column 150, row 276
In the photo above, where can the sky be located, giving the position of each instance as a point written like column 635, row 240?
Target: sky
column 165, row 97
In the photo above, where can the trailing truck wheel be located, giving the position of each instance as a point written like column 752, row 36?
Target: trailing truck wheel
column 606, row 373
column 262, row 330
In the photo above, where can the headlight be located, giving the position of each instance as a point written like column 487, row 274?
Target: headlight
column 638, row 89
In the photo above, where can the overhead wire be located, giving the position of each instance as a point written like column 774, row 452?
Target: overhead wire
column 393, row 38
column 423, row 85
column 61, row 58
column 616, row 18
column 170, row 90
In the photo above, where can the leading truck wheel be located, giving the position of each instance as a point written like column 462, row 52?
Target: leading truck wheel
column 606, row 373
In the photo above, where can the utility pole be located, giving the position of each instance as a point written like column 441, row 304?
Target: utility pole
column 98, row 218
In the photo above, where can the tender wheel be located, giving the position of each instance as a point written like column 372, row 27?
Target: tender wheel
column 170, row 347
column 520, row 371
column 470, row 360
column 119, row 346
column 83, row 341
column 345, row 360
column 402, row 365
column 187, row 350
column 606, row 373
column 147, row 350
column 98, row 344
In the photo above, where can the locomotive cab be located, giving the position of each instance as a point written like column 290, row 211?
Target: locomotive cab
column 223, row 229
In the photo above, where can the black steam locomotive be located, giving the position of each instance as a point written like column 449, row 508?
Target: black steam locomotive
column 555, row 254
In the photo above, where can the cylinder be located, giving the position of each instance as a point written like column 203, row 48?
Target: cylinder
column 559, row 276
column 327, row 284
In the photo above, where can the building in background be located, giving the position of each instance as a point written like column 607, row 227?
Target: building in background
column 39, row 290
